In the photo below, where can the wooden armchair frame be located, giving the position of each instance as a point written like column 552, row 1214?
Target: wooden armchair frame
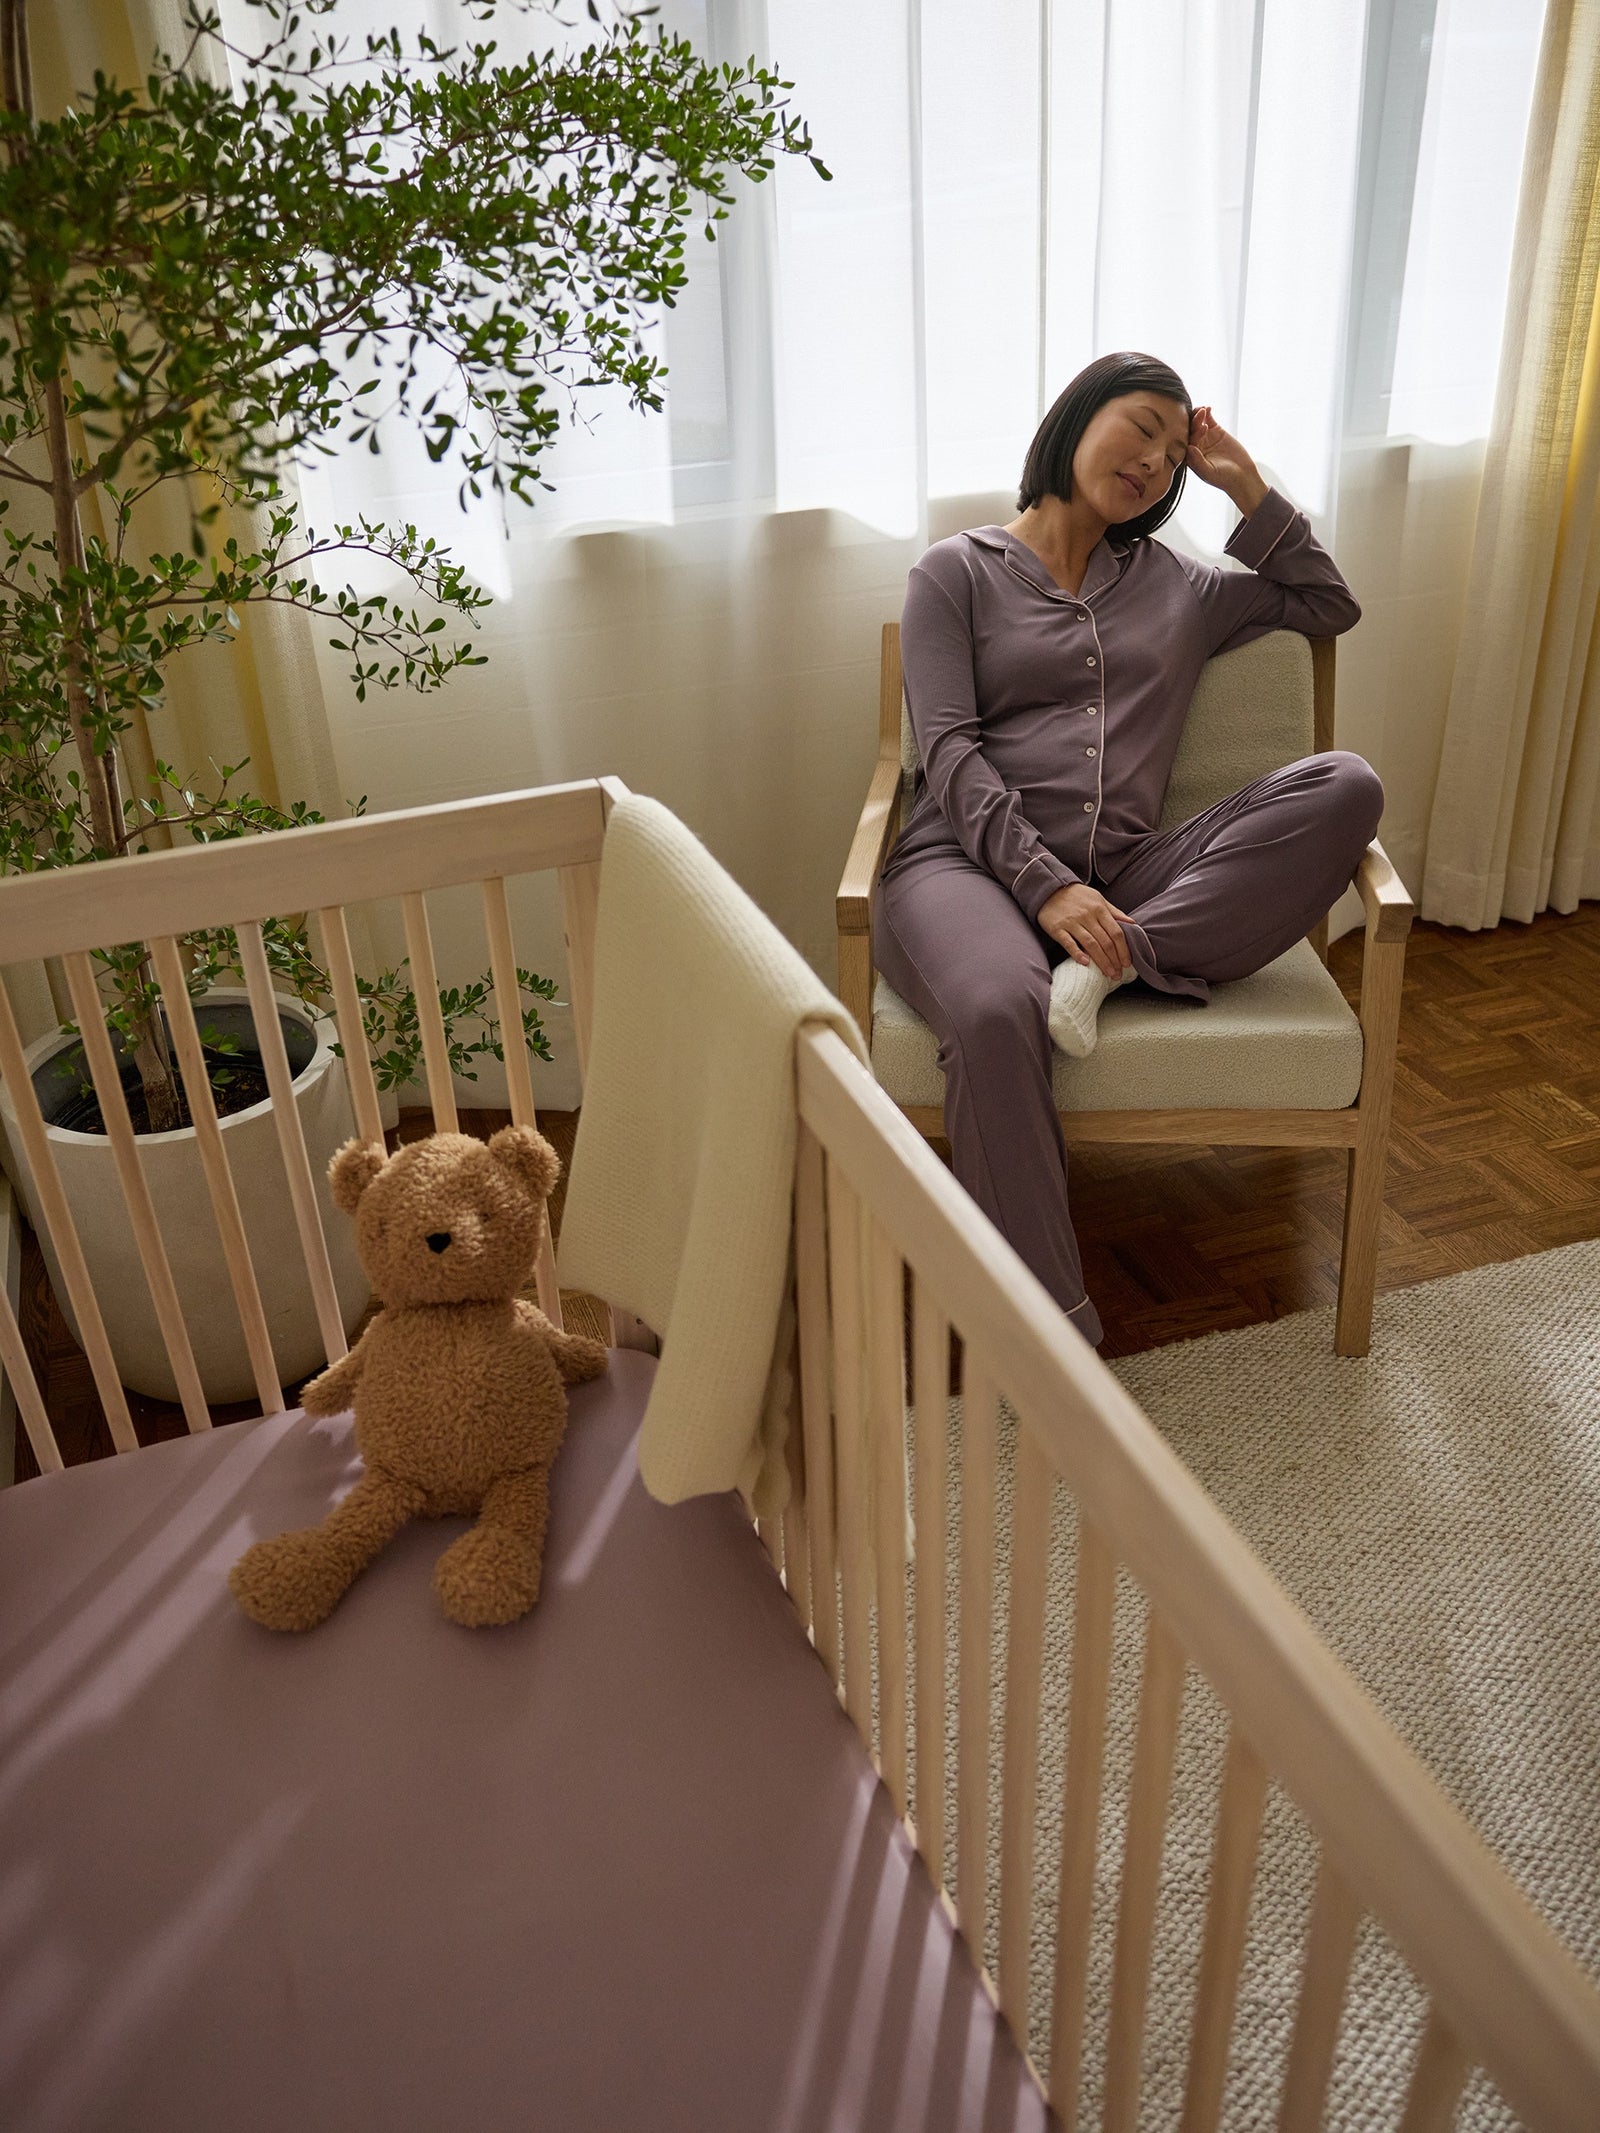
column 1362, row 1128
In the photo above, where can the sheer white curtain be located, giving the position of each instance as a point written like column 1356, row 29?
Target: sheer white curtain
column 1306, row 210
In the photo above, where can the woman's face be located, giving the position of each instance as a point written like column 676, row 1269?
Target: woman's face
column 1127, row 456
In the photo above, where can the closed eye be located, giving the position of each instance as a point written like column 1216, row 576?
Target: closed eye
column 1139, row 426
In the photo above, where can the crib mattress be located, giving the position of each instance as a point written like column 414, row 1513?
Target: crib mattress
column 622, row 1864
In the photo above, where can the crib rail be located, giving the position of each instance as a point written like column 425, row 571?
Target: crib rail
column 874, row 1210
column 321, row 872
column 880, row 1224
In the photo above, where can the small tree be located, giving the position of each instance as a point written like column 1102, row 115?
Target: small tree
column 188, row 274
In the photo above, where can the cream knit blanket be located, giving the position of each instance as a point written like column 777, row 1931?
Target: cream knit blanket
column 678, row 1206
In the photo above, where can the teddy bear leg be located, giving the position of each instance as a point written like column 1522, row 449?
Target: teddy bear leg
column 295, row 1580
column 491, row 1574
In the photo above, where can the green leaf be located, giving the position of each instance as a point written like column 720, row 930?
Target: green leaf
column 225, row 264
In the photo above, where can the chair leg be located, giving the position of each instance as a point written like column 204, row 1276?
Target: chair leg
column 1358, row 1262
column 1382, row 976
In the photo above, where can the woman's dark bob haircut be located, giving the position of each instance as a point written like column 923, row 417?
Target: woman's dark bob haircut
column 1047, row 470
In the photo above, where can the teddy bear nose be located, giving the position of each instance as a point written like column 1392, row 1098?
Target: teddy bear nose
column 438, row 1240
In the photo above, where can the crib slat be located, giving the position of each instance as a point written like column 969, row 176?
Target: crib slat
column 978, row 1449
column 580, row 907
column 796, row 1554
column 811, row 1296
column 1093, row 1611
column 430, row 1022
column 69, row 1252
column 888, row 1411
column 219, row 1178
column 1233, row 1864
column 291, row 1138
column 849, row 1441
column 1160, row 1696
column 1330, row 1946
column 1437, row 2079
column 508, row 1001
column 30, row 1404
column 930, row 1358
column 90, row 1013
column 792, row 1577
column 335, row 937
column 1034, row 1488
column 519, row 1082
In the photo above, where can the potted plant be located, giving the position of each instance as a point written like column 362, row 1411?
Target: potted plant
column 185, row 271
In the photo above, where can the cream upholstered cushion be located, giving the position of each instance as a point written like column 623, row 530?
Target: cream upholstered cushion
column 1283, row 1039
column 1251, row 712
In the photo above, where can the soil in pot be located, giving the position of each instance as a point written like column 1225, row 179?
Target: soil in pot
column 67, row 1098
column 247, row 1086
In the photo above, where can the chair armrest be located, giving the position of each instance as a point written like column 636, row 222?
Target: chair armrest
column 1383, row 968
column 1388, row 902
column 854, row 904
column 868, row 846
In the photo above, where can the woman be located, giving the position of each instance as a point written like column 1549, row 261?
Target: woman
column 1049, row 665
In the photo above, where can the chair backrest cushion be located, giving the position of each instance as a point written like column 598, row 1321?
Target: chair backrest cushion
column 1251, row 712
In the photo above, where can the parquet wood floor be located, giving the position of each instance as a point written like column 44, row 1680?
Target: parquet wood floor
column 1495, row 1152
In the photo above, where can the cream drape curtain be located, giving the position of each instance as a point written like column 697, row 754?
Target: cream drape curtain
column 1515, row 825
column 856, row 370
column 261, row 696
column 1308, row 211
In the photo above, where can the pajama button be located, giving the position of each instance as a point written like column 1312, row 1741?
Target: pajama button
column 1088, row 807
column 1090, row 660
column 1089, row 751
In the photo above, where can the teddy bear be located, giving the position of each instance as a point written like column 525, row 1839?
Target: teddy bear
column 458, row 1383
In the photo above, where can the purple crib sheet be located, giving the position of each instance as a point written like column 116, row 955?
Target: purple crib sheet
column 623, row 1864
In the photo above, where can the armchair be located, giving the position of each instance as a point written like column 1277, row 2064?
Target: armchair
column 1276, row 1060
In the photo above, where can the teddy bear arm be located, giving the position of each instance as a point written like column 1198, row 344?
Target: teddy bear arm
column 333, row 1392
column 576, row 1356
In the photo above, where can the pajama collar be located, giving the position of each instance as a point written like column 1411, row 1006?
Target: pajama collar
column 1105, row 565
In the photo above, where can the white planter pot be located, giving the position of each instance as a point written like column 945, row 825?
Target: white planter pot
column 172, row 1169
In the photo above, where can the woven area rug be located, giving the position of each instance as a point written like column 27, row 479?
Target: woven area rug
column 1435, row 1509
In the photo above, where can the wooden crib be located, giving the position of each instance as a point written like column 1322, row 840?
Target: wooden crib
column 923, row 1637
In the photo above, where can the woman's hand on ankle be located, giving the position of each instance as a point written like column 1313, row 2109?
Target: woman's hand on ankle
column 1085, row 924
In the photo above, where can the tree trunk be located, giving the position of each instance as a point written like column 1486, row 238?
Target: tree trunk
column 97, row 767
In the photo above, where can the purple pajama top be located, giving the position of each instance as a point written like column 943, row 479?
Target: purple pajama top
column 1047, row 721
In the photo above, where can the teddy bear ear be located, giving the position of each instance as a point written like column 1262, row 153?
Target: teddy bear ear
column 529, row 1156
column 352, row 1171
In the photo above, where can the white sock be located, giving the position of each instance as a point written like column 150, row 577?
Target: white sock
column 1076, row 993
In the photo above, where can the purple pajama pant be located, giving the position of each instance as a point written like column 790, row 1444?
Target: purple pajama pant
column 1217, row 897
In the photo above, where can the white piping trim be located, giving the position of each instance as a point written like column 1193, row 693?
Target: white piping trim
column 1033, row 862
column 1100, row 757
column 1276, row 538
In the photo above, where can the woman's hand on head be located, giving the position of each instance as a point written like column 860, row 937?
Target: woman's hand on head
column 1085, row 924
column 1223, row 461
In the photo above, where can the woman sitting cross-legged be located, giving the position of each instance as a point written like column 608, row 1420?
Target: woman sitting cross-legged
column 1049, row 666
